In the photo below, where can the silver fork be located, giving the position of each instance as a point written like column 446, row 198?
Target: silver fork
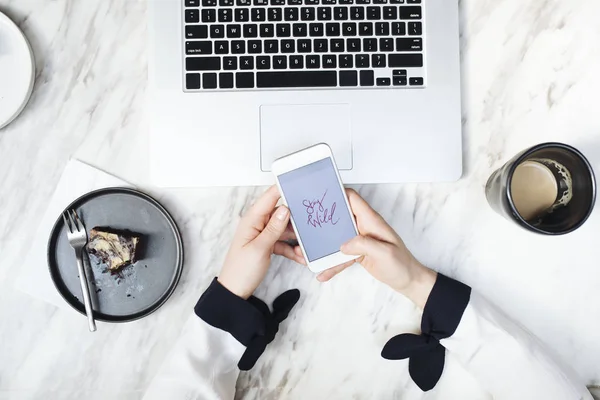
column 77, row 236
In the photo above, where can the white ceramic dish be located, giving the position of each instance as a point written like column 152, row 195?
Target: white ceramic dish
column 17, row 71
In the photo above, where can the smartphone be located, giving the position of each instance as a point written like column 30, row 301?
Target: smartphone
column 311, row 188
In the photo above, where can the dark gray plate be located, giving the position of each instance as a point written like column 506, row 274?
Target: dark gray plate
column 138, row 289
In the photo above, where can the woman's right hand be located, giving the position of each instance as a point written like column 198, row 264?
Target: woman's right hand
column 384, row 255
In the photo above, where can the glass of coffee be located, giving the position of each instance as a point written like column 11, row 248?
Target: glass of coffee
column 548, row 189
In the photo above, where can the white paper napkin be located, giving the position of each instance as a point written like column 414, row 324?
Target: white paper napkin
column 77, row 179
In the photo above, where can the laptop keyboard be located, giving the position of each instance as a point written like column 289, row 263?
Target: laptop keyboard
column 295, row 44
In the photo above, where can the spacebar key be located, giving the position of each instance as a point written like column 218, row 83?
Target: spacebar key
column 296, row 79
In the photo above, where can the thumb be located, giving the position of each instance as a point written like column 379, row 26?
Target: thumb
column 275, row 227
column 361, row 246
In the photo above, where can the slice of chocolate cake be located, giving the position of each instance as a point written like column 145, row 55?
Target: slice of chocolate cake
column 114, row 248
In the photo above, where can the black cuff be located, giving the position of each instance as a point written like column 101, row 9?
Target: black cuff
column 249, row 321
column 441, row 316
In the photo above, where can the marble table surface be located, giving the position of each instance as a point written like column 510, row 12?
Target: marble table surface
column 530, row 74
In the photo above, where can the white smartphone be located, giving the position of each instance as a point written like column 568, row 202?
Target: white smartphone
column 311, row 188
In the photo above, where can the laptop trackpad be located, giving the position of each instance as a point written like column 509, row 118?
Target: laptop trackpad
column 285, row 129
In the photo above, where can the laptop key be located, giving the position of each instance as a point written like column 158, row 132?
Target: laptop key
column 324, row 13
column 378, row 60
column 225, row 15
column 242, row 15
column 409, row 44
column 353, row 45
column 263, row 62
column 357, row 13
column 362, row 61
column 192, row 81
column 284, row 30
column 288, row 46
column 198, row 47
column 250, row 30
column 300, row 30
column 365, row 29
column 221, row 47
column 340, row 13
column 370, row 44
column 415, row 81
column 348, row 78
column 254, row 46
column 374, row 13
column 399, row 80
column 313, row 61
column 384, row 82
column 275, row 14
column 398, row 28
column 345, row 61
column 271, row 46
column 278, row 2
column 209, row 3
column 321, row 46
column 307, row 14
column 332, row 29
column 203, row 63
column 217, row 31
column 238, row 47
column 226, row 80
column 247, row 62
column 209, row 80
column 329, row 61
column 415, row 28
column 304, row 46
column 349, row 29
column 192, row 3
column 316, row 29
column 234, row 31
column 296, row 79
column 386, row 44
column 296, row 62
column 244, row 80
column 280, row 62
column 209, row 15
column 258, row 14
column 226, row 3
column 267, row 30
column 405, row 60
column 382, row 28
column 243, row 3
column 290, row 14
column 367, row 78
column 196, row 32
column 192, row 16
column 410, row 12
column 390, row 13
column 230, row 63
column 337, row 45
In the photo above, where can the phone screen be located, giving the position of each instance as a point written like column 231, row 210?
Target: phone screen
column 317, row 205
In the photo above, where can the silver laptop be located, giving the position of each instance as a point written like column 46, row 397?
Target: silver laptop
column 235, row 84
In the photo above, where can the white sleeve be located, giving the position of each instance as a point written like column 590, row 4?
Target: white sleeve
column 202, row 365
column 507, row 360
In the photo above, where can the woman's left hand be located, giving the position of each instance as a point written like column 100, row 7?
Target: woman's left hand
column 262, row 231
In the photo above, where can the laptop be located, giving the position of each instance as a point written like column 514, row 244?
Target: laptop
column 236, row 84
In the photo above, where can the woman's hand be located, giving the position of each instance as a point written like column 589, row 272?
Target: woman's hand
column 260, row 233
column 384, row 255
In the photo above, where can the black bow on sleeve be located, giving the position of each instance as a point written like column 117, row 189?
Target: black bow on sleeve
column 250, row 321
column 441, row 316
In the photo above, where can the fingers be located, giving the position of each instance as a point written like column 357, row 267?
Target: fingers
column 361, row 246
column 263, row 207
column 289, row 252
column 275, row 228
column 368, row 221
column 288, row 234
column 331, row 272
